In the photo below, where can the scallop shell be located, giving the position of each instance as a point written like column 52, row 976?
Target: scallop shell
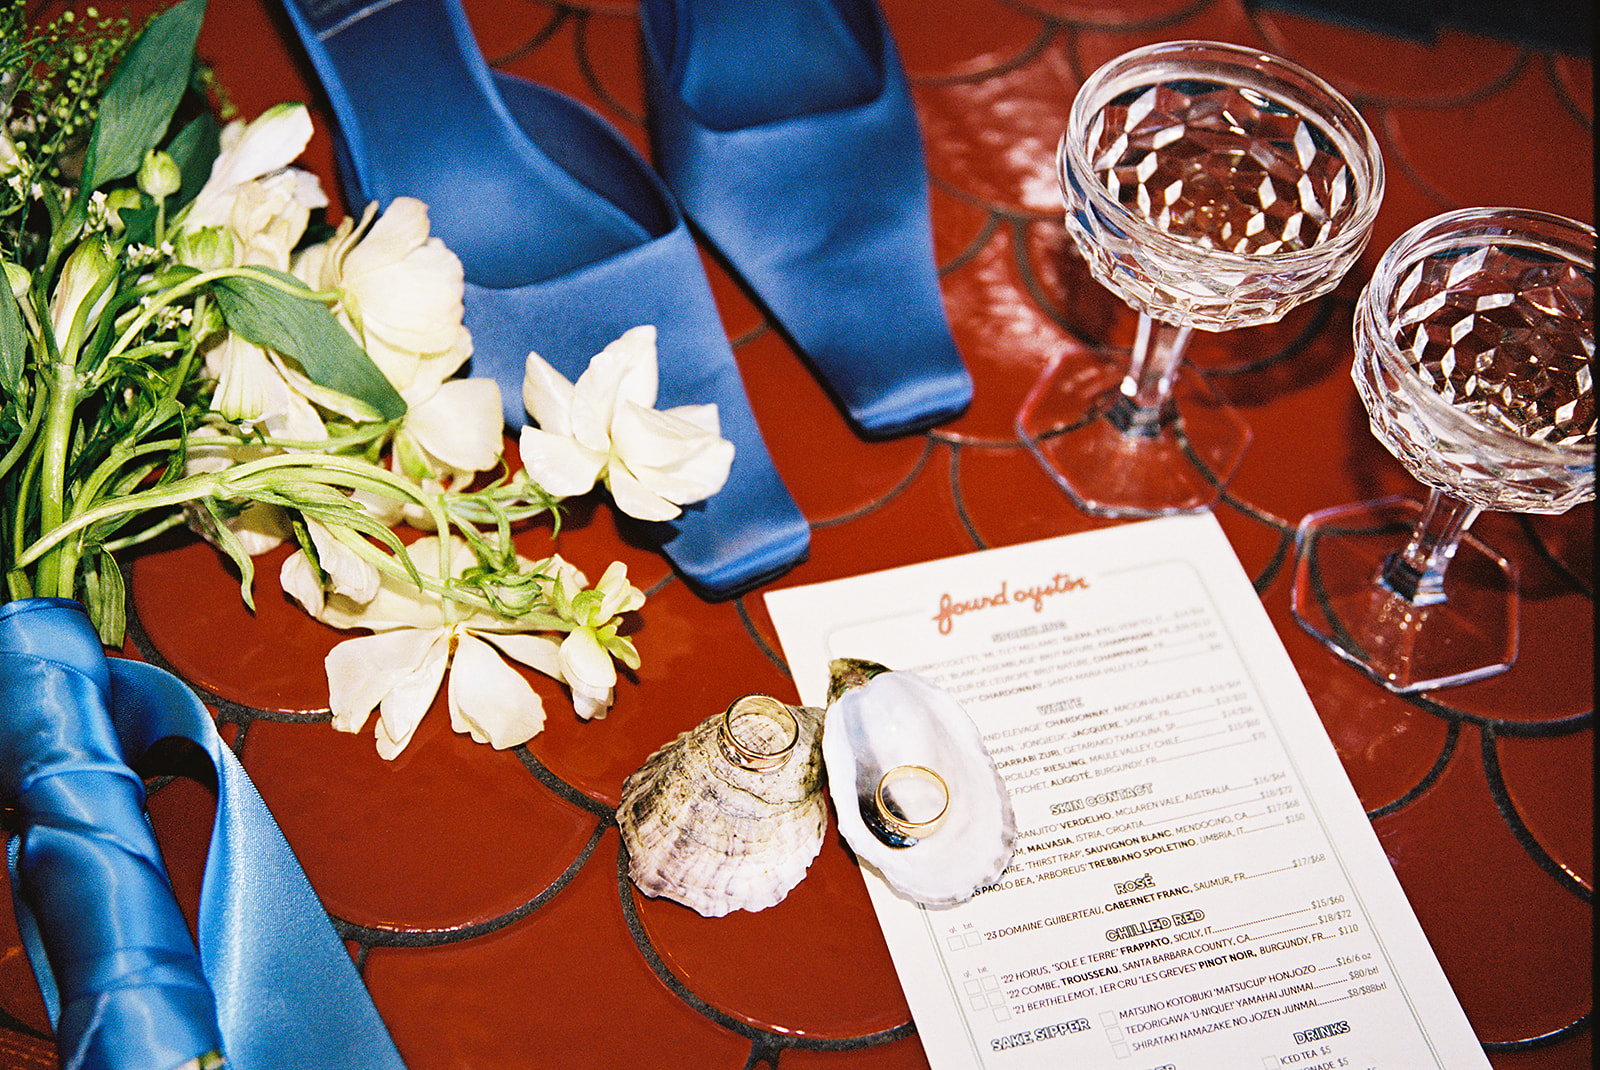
column 716, row 836
column 878, row 719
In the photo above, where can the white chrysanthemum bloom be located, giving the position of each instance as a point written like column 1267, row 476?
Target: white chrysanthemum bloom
column 400, row 292
column 605, row 427
column 265, row 146
column 398, row 669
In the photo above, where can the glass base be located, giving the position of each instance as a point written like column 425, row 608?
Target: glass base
column 1339, row 598
column 1110, row 460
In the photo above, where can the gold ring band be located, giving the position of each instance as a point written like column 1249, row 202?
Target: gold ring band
column 740, row 752
column 899, row 822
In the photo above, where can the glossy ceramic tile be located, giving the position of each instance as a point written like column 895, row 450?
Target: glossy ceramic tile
column 482, row 893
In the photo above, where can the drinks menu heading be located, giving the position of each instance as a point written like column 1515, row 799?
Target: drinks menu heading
column 1195, row 885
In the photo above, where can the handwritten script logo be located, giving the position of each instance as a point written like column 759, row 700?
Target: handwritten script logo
column 950, row 608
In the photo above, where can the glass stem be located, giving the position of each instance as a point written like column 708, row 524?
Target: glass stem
column 1144, row 401
column 1416, row 573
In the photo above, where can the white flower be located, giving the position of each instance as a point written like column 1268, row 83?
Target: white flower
column 252, row 389
column 349, row 574
column 398, row 669
column 266, row 222
column 260, row 526
column 445, row 440
column 265, row 146
column 400, row 293
column 605, row 427
column 585, row 655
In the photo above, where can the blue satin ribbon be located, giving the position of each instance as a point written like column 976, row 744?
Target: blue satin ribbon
column 271, row 986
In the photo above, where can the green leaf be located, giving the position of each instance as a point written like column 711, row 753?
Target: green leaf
column 139, row 224
column 107, row 597
column 13, row 342
column 194, row 149
column 216, row 530
column 138, row 104
column 293, row 322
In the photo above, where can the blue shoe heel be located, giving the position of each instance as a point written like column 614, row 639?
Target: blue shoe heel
column 567, row 237
column 786, row 130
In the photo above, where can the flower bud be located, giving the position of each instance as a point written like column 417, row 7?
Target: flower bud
column 207, row 248
column 86, row 277
column 17, row 278
column 159, row 175
column 118, row 200
column 10, row 158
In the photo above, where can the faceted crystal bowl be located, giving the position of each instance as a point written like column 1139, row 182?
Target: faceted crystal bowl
column 1508, row 296
column 1294, row 142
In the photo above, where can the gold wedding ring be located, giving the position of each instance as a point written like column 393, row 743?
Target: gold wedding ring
column 769, row 728
column 894, row 818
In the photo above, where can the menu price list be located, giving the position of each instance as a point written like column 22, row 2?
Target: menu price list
column 1194, row 884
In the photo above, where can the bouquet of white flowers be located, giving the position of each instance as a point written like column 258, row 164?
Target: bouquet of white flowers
column 181, row 343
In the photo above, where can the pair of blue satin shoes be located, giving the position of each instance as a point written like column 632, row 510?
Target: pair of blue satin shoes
column 783, row 128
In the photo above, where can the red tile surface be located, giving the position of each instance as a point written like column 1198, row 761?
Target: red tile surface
column 483, row 889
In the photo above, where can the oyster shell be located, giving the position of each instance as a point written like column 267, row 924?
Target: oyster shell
column 717, row 835
column 878, row 720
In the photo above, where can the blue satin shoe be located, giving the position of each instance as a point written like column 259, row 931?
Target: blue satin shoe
column 786, row 130
column 568, row 239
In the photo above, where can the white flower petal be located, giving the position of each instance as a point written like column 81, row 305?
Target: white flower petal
column 626, row 369
column 634, row 498
column 560, row 465
column 702, row 416
column 261, row 527
column 271, row 141
column 361, row 671
column 619, row 596
column 407, row 286
column 403, row 708
column 302, row 582
column 398, row 603
column 547, row 395
column 671, row 456
column 249, row 389
column 585, row 662
column 538, row 652
column 266, row 221
column 351, row 575
column 489, row 700
column 591, row 705
column 460, row 424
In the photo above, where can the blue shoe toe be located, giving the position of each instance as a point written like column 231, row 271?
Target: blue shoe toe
column 567, row 238
column 787, row 133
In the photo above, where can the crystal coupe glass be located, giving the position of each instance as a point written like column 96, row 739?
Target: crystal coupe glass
column 1210, row 187
column 1474, row 347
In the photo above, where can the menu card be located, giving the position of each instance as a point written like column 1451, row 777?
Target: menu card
column 1195, row 884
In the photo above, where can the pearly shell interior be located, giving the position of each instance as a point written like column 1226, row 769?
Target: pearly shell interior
column 881, row 721
column 729, row 815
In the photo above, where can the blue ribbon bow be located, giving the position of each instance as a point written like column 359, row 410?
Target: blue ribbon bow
column 272, row 986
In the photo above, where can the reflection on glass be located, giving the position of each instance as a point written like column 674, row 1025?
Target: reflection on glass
column 1474, row 349
column 1211, row 187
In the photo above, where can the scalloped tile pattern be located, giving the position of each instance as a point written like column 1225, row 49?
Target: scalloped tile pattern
column 482, row 893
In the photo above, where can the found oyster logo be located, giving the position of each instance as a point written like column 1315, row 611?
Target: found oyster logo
column 950, row 607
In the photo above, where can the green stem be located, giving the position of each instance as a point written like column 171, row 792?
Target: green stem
column 56, row 572
column 25, row 439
